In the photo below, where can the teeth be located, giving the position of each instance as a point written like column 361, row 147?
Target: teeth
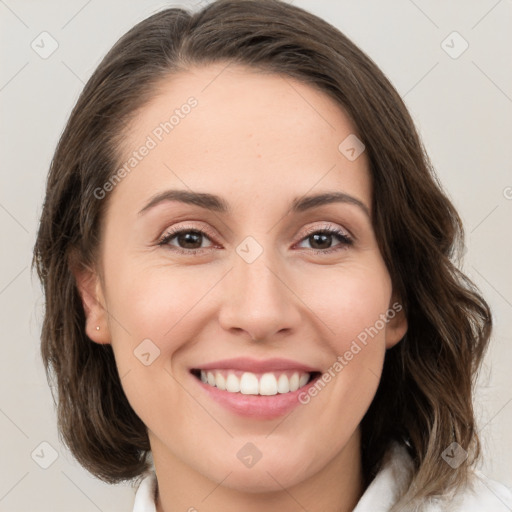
column 220, row 381
column 268, row 384
column 249, row 384
column 233, row 383
column 283, row 384
column 294, row 382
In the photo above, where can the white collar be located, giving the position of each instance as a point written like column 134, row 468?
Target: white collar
column 385, row 488
column 484, row 494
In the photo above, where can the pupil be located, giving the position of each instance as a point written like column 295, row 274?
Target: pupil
column 322, row 237
column 190, row 237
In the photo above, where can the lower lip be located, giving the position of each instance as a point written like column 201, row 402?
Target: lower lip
column 263, row 407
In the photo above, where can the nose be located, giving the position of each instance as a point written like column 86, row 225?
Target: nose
column 257, row 300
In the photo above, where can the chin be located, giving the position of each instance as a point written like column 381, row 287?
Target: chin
column 262, row 480
column 268, row 474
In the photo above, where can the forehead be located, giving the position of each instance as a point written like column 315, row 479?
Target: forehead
column 231, row 129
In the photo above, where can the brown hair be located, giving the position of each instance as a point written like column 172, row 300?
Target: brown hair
column 424, row 400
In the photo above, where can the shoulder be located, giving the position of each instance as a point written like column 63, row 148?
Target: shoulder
column 483, row 493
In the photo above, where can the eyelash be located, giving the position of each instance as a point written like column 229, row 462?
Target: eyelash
column 343, row 237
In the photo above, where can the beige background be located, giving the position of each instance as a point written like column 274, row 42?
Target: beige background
column 463, row 109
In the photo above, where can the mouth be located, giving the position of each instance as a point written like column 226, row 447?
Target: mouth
column 255, row 383
column 254, row 388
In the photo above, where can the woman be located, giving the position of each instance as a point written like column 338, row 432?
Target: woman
column 251, row 296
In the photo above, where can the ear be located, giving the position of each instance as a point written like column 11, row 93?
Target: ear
column 91, row 293
column 397, row 322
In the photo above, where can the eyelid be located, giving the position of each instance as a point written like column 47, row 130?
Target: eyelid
column 173, row 230
column 328, row 227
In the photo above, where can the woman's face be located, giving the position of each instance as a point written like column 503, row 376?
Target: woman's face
column 255, row 283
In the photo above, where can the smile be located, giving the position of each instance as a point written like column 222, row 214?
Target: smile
column 250, row 383
column 257, row 389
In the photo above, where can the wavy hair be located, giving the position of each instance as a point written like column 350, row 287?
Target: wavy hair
column 424, row 400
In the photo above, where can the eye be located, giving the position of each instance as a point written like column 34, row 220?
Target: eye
column 188, row 240
column 321, row 240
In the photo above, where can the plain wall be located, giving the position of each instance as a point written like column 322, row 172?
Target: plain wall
column 462, row 107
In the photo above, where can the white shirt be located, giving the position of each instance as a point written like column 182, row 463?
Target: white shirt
column 484, row 495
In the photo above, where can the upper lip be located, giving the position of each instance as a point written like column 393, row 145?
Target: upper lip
column 257, row 366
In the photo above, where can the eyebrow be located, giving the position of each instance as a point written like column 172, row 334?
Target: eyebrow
column 218, row 204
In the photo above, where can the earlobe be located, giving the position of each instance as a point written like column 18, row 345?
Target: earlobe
column 90, row 291
column 396, row 327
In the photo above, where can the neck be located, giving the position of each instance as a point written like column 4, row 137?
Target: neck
column 337, row 487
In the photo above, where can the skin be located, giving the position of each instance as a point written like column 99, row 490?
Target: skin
column 258, row 140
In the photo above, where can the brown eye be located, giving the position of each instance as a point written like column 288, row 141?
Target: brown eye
column 321, row 241
column 189, row 239
column 185, row 241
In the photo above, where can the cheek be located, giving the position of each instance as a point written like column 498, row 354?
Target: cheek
column 154, row 304
column 349, row 301
column 154, row 312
